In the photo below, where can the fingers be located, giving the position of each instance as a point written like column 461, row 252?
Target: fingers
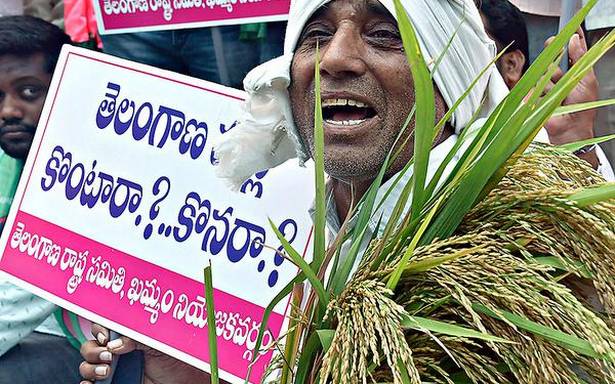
column 100, row 333
column 556, row 77
column 94, row 372
column 577, row 46
column 93, row 353
column 117, row 346
column 121, row 346
column 98, row 354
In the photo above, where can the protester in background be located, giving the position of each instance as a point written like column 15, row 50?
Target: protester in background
column 599, row 22
column 11, row 7
column 542, row 18
column 48, row 10
column 220, row 54
column 505, row 24
column 80, row 23
column 32, row 347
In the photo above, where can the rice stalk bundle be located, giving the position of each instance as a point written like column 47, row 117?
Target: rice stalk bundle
column 491, row 273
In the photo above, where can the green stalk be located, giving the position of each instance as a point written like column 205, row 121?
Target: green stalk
column 319, row 173
column 211, row 326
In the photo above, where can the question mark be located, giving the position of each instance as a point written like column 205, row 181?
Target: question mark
column 155, row 209
column 277, row 259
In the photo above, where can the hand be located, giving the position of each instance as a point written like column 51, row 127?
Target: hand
column 575, row 126
column 158, row 367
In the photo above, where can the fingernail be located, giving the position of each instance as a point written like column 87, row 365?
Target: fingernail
column 105, row 356
column 114, row 344
column 101, row 338
column 100, row 370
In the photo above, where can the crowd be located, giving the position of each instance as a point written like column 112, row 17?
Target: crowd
column 355, row 63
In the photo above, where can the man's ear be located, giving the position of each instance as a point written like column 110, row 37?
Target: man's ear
column 511, row 67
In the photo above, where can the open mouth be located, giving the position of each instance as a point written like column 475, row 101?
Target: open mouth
column 346, row 112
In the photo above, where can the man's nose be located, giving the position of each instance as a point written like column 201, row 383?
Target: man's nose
column 343, row 55
column 10, row 108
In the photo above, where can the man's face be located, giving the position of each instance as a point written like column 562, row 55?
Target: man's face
column 366, row 85
column 23, row 87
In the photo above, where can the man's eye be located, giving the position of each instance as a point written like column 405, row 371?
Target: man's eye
column 313, row 35
column 30, row 92
column 384, row 34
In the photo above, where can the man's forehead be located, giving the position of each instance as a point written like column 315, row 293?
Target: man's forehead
column 19, row 65
column 373, row 7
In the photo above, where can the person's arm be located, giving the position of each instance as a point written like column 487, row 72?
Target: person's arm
column 20, row 313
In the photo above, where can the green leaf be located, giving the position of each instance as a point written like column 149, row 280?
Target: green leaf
column 580, row 107
column 593, row 195
column 211, row 327
column 326, row 337
column 308, row 353
column 303, row 266
column 562, row 339
column 435, row 326
column 319, row 173
column 556, row 262
column 293, row 337
column 433, row 262
column 405, row 376
column 571, row 147
column 267, row 313
column 341, row 275
column 425, row 107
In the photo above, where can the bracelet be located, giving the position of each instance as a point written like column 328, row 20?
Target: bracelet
column 586, row 149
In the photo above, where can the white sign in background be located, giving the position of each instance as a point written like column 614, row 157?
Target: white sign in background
column 183, row 219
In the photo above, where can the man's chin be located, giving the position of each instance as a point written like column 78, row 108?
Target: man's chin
column 15, row 150
column 350, row 169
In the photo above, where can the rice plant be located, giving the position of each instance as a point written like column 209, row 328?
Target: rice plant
column 501, row 271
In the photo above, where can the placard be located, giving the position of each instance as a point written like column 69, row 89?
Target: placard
column 119, row 210
column 121, row 16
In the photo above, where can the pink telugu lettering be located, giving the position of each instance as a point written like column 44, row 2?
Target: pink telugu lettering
column 232, row 327
column 168, row 7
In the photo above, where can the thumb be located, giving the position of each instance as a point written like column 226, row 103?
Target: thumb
column 121, row 345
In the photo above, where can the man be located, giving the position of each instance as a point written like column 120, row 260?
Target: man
column 505, row 24
column 542, row 18
column 29, row 50
column 367, row 93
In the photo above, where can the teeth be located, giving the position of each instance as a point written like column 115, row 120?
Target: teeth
column 343, row 102
column 345, row 122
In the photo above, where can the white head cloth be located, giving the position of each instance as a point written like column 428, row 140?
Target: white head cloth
column 266, row 135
